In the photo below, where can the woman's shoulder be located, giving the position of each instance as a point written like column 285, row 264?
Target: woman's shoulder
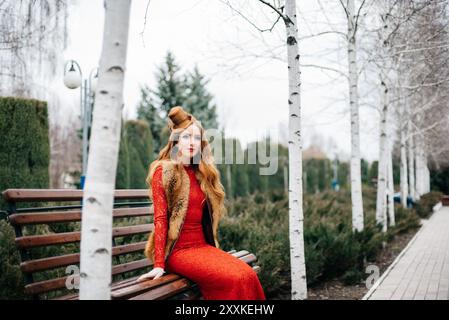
column 165, row 164
column 158, row 171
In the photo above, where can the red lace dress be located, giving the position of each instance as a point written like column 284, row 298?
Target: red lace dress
column 218, row 274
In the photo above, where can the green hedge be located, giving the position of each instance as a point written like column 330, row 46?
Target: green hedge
column 25, row 145
column 135, row 155
column 424, row 206
column 24, row 162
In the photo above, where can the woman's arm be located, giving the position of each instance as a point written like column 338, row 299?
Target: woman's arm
column 160, row 218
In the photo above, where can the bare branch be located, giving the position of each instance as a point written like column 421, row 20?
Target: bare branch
column 145, row 22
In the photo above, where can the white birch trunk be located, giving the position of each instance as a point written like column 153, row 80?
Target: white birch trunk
column 427, row 178
column 403, row 115
column 98, row 197
column 422, row 170
column 411, row 162
column 297, row 258
column 418, row 168
column 404, row 169
column 425, row 172
column 424, row 176
column 356, row 174
column 383, row 155
column 390, row 186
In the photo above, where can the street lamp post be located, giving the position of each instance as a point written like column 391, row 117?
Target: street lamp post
column 73, row 80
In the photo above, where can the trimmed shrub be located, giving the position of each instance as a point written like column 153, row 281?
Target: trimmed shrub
column 24, row 161
column 25, row 144
column 426, row 202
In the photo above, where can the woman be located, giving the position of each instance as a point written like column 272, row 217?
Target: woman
column 188, row 201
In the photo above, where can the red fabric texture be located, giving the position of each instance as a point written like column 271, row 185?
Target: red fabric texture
column 160, row 218
column 218, row 274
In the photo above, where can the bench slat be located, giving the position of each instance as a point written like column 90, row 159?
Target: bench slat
column 73, row 215
column 192, row 293
column 165, row 291
column 59, row 283
column 137, row 288
column 68, row 237
column 21, row 195
column 74, row 258
column 117, row 284
column 131, row 266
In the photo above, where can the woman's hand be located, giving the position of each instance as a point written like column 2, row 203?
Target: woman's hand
column 155, row 273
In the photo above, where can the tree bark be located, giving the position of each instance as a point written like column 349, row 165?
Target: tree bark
column 411, row 162
column 356, row 174
column 98, row 197
column 404, row 169
column 383, row 165
column 390, row 186
column 418, row 168
column 296, row 230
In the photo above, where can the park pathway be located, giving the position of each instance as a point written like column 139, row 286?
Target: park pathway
column 421, row 271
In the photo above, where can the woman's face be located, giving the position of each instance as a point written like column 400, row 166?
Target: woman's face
column 189, row 143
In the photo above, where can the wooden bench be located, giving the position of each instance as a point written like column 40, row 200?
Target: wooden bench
column 47, row 228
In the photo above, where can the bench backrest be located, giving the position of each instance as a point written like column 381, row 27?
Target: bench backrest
column 46, row 252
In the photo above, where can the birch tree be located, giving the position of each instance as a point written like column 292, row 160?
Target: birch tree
column 403, row 153
column 296, row 215
column 98, row 197
column 411, row 161
column 390, row 188
column 295, row 170
column 384, row 155
column 404, row 186
column 426, row 82
column 383, row 158
column 356, row 173
column 353, row 17
column 395, row 68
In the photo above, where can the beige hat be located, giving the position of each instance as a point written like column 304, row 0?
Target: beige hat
column 179, row 119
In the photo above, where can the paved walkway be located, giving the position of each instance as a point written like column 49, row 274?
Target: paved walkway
column 421, row 271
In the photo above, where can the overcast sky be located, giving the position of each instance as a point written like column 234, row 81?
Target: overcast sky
column 252, row 97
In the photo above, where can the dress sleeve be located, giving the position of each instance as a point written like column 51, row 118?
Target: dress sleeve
column 160, row 218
